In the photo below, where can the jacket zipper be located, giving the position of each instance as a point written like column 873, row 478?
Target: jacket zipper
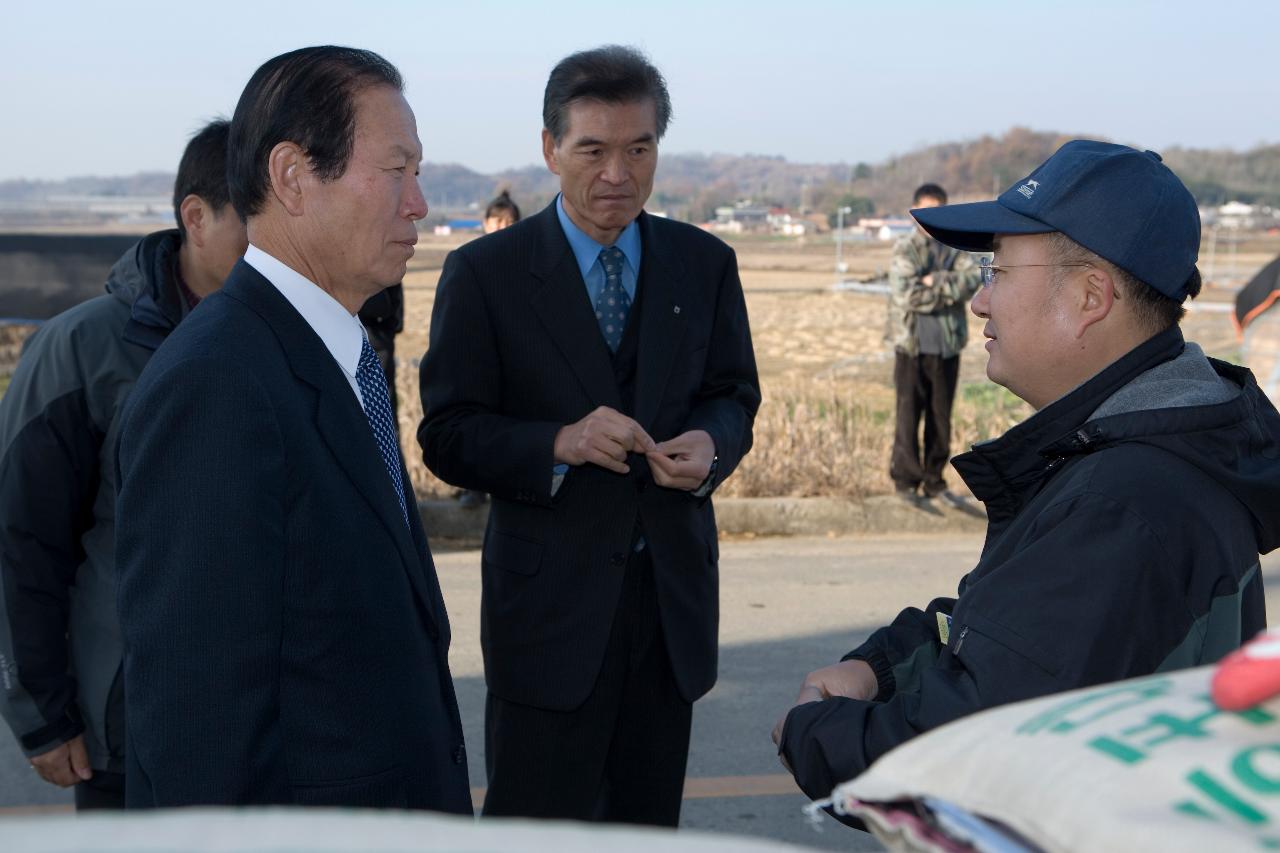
column 960, row 640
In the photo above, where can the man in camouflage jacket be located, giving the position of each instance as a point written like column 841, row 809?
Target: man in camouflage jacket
column 929, row 285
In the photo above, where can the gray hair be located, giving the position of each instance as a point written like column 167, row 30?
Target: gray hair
column 613, row 74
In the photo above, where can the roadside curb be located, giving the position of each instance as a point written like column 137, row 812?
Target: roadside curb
column 445, row 519
column 843, row 516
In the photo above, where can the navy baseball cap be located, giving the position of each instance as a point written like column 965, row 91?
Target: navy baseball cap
column 1122, row 204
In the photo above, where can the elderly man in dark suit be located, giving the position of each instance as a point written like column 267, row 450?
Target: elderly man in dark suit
column 285, row 638
column 591, row 368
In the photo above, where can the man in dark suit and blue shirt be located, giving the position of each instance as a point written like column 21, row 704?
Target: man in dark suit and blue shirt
column 591, row 368
column 285, row 638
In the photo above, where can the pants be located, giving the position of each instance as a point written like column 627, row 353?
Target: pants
column 925, row 385
column 620, row 756
column 103, row 791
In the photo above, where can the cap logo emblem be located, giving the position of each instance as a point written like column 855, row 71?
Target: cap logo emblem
column 1029, row 188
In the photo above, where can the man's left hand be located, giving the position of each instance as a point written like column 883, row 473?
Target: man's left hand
column 682, row 462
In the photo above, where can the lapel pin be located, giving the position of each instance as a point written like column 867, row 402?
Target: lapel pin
column 677, row 309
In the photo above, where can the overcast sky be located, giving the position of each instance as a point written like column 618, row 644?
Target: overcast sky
column 116, row 88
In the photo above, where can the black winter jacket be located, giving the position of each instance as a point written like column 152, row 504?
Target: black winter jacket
column 1125, row 523
column 60, row 645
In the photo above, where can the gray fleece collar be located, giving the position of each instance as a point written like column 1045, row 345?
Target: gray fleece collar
column 1187, row 380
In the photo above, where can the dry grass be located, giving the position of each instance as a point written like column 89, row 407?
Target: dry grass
column 425, row 484
column 833, row 438
column 816, row 437
column 12, row 337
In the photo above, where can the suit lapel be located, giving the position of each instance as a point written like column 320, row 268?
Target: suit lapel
column 339, row 419
column 662, row 320
column 559, row 300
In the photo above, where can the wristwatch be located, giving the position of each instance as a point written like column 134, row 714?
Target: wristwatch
column 704, row 488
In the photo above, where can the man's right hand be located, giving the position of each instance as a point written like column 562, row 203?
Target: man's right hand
column 603, row 438
column 64, row 765
column 852, row 679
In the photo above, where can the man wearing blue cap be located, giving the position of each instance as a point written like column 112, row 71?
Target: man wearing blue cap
column 1125, row 517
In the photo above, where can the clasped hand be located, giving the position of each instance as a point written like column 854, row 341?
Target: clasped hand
column 606, row 436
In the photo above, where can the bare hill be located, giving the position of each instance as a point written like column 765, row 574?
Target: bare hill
column 691, row 186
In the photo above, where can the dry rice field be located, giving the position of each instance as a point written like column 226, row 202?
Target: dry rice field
column 826, row 422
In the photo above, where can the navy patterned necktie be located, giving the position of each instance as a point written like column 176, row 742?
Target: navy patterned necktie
column 613, row 304
column 377, row 408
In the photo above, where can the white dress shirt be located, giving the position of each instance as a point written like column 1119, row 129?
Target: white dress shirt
column 340, row 331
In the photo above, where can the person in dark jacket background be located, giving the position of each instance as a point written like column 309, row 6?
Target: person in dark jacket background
column 59, row 637
column 1125, row 517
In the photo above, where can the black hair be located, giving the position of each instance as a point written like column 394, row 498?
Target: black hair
column 929, row 191
column 503, row 204
column 613, row 74
column 307, row 97
column 1154, row 310
column 203, row 170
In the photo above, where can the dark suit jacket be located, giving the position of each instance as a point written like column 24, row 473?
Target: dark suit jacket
column 515, row 354
column 285, row 638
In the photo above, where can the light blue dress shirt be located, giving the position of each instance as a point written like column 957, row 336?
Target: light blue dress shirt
column 587, row 252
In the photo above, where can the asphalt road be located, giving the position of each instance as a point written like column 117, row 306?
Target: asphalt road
column 787, row 606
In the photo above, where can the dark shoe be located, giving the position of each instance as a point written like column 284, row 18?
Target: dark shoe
column 471, row 498
column 920, row 502
column 925, row 503
column 961, row 502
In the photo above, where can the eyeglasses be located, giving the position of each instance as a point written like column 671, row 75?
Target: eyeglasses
column 989, row 269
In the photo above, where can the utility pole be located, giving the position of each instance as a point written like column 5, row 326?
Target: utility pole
column 841, row 266
column 1213, row 252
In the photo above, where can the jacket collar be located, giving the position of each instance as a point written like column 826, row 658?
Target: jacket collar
column 664, row 278
column 149, row 272
column 587, row 251
column 559, row 300
column 339, row 420
column 1006, row 472
column 339, row 330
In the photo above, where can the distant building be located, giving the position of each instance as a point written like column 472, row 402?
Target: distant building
column 885, row 228
column 1235, row 214
column 818, row 223
column 782, row 222
column 1238, row 216
column 744, row 217
column 741, row 217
